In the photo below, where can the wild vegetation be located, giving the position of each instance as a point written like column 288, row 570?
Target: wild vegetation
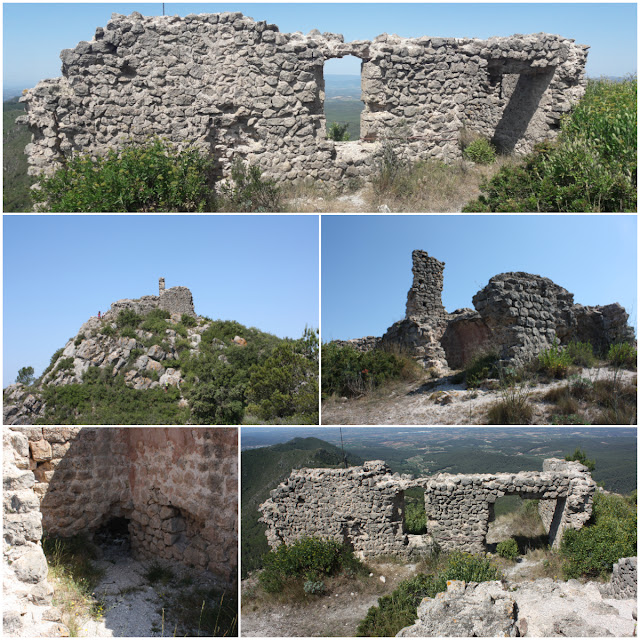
column 15, row 137
column 349, row 372
column 592, row 166
column 399, row 609
column 268, row 380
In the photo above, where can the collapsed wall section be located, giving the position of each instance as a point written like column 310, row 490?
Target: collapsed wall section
column 240, row 89
column 364, row 506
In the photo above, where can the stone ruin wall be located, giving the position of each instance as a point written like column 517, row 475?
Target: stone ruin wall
column 177, row 487
column 624, row 579
column 240, row 89
column 176, row 300
column 517, row 314
column 364, row 506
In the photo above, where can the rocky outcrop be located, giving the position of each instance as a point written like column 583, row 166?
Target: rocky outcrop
column 541, row 608
column 240, row 89
column 99, row 349
column 364, row 506
column 518, row 315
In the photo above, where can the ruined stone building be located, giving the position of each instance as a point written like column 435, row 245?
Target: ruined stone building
column 175, row 489
column 240, row 89
column 364, row 506
column 517, row 314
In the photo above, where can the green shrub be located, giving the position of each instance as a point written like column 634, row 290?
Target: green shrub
column 623, row 354
column 480, row 367
column 554, row 361
column 508, row 549
column 580, row 456
column 128, row 318
column 78, row 341
column 399, row 608
column 415, row 518
column 480, row 151
column 54, row 359
column 316, row 587
column 248, row 192
column 108, row 330
column 308, row 558
column 286, row 383
column 188, row 321
column 128, row 332
column 581, row 353
column 610, row 535
column 155, row 176
column 156, row 321
column 338, row 132
column 348, row 372
column 592, row 166
column 65, row 364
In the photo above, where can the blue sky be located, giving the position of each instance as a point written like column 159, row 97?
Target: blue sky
column 366, row 262
column 60, row 270
column 610, row 28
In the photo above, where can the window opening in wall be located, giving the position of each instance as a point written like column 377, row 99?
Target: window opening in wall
column 342, row 103
column 513, row 517
column 415, row 519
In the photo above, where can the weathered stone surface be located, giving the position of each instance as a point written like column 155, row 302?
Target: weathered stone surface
column 240, row 89
column 365, row 506
column 624, row 580
column 517, row 314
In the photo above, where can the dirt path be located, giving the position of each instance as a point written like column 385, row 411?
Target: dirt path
column 441, row 402
column 337, row 614
column 131, row 604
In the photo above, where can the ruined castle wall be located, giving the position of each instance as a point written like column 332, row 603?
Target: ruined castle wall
column 368, row 343
column 241, row 89
column 624, row 579
column 184, row 496
column 355, row 505
column 177, row 300
column 364, row 505
column 27, row 595
column 177, row 487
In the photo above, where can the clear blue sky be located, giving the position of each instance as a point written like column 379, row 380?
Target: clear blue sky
column 609, row 28
column 366, row 262
column 60, row 270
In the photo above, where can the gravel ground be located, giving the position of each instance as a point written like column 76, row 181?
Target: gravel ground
column 440, row 402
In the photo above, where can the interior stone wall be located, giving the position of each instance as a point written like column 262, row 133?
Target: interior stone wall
column 177, row 487
column 241, row 89
column 364, row 506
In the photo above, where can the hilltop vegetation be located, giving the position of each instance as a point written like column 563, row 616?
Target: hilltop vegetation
column 158, row 370
column 16, row 193
column 262, row 470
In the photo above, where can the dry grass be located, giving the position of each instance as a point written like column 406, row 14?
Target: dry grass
column 73, row 577
column 427, row 186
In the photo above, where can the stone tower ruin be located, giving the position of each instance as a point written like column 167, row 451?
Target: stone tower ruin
column 161, row 286
column 517, row 314
column 174, row 300
column 240, row 89
column 364, row 506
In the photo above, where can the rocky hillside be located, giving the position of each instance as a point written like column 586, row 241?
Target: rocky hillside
column 144, row 362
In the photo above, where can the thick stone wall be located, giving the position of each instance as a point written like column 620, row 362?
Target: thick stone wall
column 175, row 300
column 365, row 506
column 177, row 487
column 517, row 314
column 27, row 595
column 240, row 89
column 624, row 579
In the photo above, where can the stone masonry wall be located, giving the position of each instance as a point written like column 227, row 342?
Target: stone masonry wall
column 27, row 595
column 175, row 300
column 240, row 89
column 177, row 487
column 624, row 579
column 517, row 314
column 364, row 505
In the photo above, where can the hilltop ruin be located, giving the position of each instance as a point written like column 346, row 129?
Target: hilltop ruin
column 517, row 314
column 240, row 89
column 364, row 506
